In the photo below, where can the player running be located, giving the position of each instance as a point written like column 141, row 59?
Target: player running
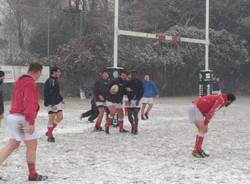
column 201, row 112
column 53, row 101
column 21, row 120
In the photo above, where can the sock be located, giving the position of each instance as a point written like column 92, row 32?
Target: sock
column 120, row 124
column 50, row 130
column 32, row 169
column 132, row 125
column 108, row 122
column 198, row 142
column 136, row 126
column 98, row 124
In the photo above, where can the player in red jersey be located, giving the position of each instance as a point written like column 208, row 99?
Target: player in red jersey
column 201, row 112
column 21, row 120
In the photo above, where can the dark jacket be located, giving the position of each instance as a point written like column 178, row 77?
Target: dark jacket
column 1, row 99
column 100, row 88
column 52, row 94
column 136, row 86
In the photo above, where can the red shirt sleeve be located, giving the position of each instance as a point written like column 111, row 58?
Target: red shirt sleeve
column 31, row 106
column 217, row 105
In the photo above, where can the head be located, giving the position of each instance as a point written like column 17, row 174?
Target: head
column 2, row 75
column 123, row 75
column 55, row 72
column 35, row 70
column 104, row 74
column 129, row 76
column 134, row 74
column 146, row 77
column 230, row 98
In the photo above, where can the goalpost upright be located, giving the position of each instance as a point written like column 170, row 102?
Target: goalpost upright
column 205, row 75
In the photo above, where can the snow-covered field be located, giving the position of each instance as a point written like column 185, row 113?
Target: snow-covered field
column 160, row 153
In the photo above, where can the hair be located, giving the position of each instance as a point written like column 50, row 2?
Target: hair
column 124, row 71
column 53, row 69
column 104, row 71
column 2, row 73
column 231, row 97
column 35, row 67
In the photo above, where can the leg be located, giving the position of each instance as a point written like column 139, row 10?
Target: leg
column 93, row 115
column 98, row 123
column 130, row 115
column 59, row 117
column 31, row 146
column 136, row 119
column 112, row 111
column 202, row 130
column 51, row 125
column 86, row 114
column 131, row 119
column 8, row 149
column 31, row 156
column 120, row 120
column 143, row 110
column 148, row 110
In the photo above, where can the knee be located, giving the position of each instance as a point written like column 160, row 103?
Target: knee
column 101, row 112
column 59, row 118
column 204, row 130
column 130, row 118
column 13, row 146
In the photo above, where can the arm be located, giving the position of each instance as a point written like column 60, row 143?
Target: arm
column 156, row 91
column 140, row 90
column 217, row 105
column 1, row 103
column 46, row 93
column 30, row 103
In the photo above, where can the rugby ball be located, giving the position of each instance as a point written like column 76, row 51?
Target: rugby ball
column 114, row 89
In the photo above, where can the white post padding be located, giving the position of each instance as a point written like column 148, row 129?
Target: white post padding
column 155, row 36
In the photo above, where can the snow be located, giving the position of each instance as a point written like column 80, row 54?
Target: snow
column 160, row 153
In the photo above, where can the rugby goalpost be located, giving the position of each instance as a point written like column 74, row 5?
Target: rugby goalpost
column 205, row 75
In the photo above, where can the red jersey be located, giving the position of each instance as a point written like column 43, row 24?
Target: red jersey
column 25, row 98
column 208, row 105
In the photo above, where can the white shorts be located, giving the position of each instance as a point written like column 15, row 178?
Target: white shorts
column 147, row 100
column 194, row 113
column 100, row 104
column 132, row 104
column 117, row 105
column 54, row 108
column 125, row 98
column 14, row 122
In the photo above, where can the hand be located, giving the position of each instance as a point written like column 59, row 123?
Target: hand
column 54, row 107
column 101, row 97
column 129, row 89
column 1, row 116
column 30, row 129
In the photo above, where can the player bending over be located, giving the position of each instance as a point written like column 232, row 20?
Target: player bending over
column 201, row 112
